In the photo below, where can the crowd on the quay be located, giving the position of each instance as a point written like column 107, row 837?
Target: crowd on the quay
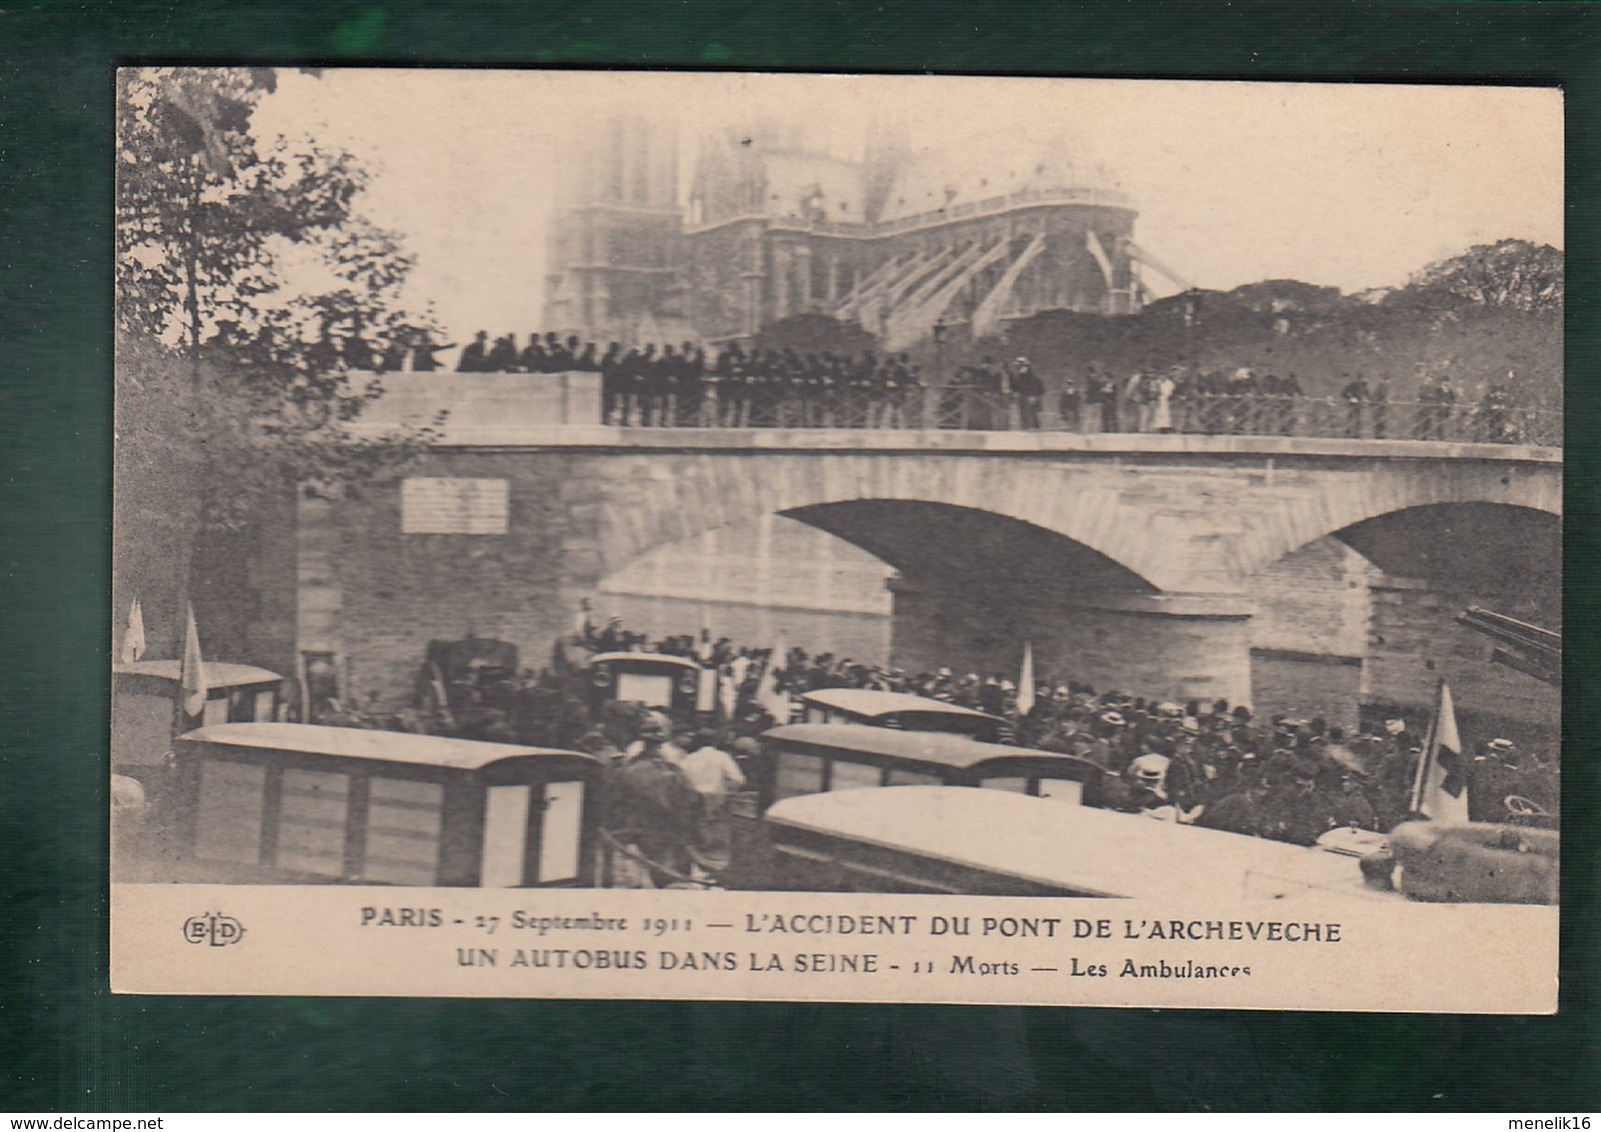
column 1207, row 763
column 684, row 385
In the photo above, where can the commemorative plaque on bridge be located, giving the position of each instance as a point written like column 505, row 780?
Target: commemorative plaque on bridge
column 453, row 506
column 880, row 539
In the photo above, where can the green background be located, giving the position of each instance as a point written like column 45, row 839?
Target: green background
column 66, row 1044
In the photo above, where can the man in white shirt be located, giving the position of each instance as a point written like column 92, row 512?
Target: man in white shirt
column 713, row 773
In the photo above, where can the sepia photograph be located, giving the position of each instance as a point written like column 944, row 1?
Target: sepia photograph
column 1073, row 540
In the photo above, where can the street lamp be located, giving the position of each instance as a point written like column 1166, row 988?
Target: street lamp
column 1192, row 321
column 940, row 330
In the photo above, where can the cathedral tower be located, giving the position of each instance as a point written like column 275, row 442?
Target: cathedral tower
column 615, row 245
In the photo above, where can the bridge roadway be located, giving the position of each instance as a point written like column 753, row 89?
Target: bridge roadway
column 1132, row 553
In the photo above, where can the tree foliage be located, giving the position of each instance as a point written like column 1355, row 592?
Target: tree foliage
column 249, row 287
column 814, row 334
column 1476, row 315
column 217, row 232
column 1514, row 274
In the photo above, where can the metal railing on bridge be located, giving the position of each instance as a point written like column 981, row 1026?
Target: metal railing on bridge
column 964, row 407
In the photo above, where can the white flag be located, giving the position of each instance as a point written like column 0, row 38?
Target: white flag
column 767, row 694
column 193, row 674
column 1440, row 792
column 1025, row 681
column 133, row 639
column 703, row 650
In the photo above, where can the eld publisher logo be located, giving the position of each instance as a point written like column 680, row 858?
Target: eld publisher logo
column 213, row 928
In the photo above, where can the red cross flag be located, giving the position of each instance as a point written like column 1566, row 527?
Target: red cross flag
column 1440, row 791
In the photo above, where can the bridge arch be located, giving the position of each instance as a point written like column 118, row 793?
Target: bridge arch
column 1340, row 502
column 961, row 548
column 1045, row 504
column 1508, row 556
column 1176, row 523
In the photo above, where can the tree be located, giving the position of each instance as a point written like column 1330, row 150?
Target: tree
column 1514, row 274
column 234, row 383
column 815, row 334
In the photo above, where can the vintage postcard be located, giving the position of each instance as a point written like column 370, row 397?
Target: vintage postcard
column 852, row 538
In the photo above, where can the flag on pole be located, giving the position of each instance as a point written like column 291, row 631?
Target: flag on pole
column 436, row 681
column 703, row 650
column 768, row 696
column 1025, row 681
column 193, row 674
column 1440, row 791
column 133, row 639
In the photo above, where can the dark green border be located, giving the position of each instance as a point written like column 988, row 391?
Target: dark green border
column 67, row 1045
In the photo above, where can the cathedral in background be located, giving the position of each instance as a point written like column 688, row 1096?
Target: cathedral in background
column 778, row 220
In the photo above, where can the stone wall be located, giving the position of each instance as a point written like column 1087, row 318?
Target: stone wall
column 1415, row 642
column 375, row 596
column 1307, row 686
column 1310, row 633
column 1313, row 600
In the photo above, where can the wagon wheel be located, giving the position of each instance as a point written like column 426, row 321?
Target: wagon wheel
column 1517, row 806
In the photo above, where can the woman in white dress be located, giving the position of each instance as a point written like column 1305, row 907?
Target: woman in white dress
column 1162, row 404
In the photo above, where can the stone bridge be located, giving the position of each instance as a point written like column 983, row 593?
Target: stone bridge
column 1129, row 559
column 1175, row 515
column 1126, row 556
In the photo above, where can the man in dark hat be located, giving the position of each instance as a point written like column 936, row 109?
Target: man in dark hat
column 1029, row 391
column 1379, row 395
column 474, row 355
column 596, row 742
column 423, row 348
column 1239, row 811
column 1343, row 800
column 1069, row 405
column 613, row 396
column 1287, row 810
column 1355, row 394
column 558, row 359
column 653, row 813
column 533, row 358
column 692, row 410
column 502, row 355
column 393, row 357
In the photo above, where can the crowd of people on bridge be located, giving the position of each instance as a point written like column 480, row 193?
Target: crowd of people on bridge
column 686, row 386
column 1247, row 400
column 1203, row 762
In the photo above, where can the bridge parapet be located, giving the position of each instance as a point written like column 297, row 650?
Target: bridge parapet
column 536, row 410
column 481, row 405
